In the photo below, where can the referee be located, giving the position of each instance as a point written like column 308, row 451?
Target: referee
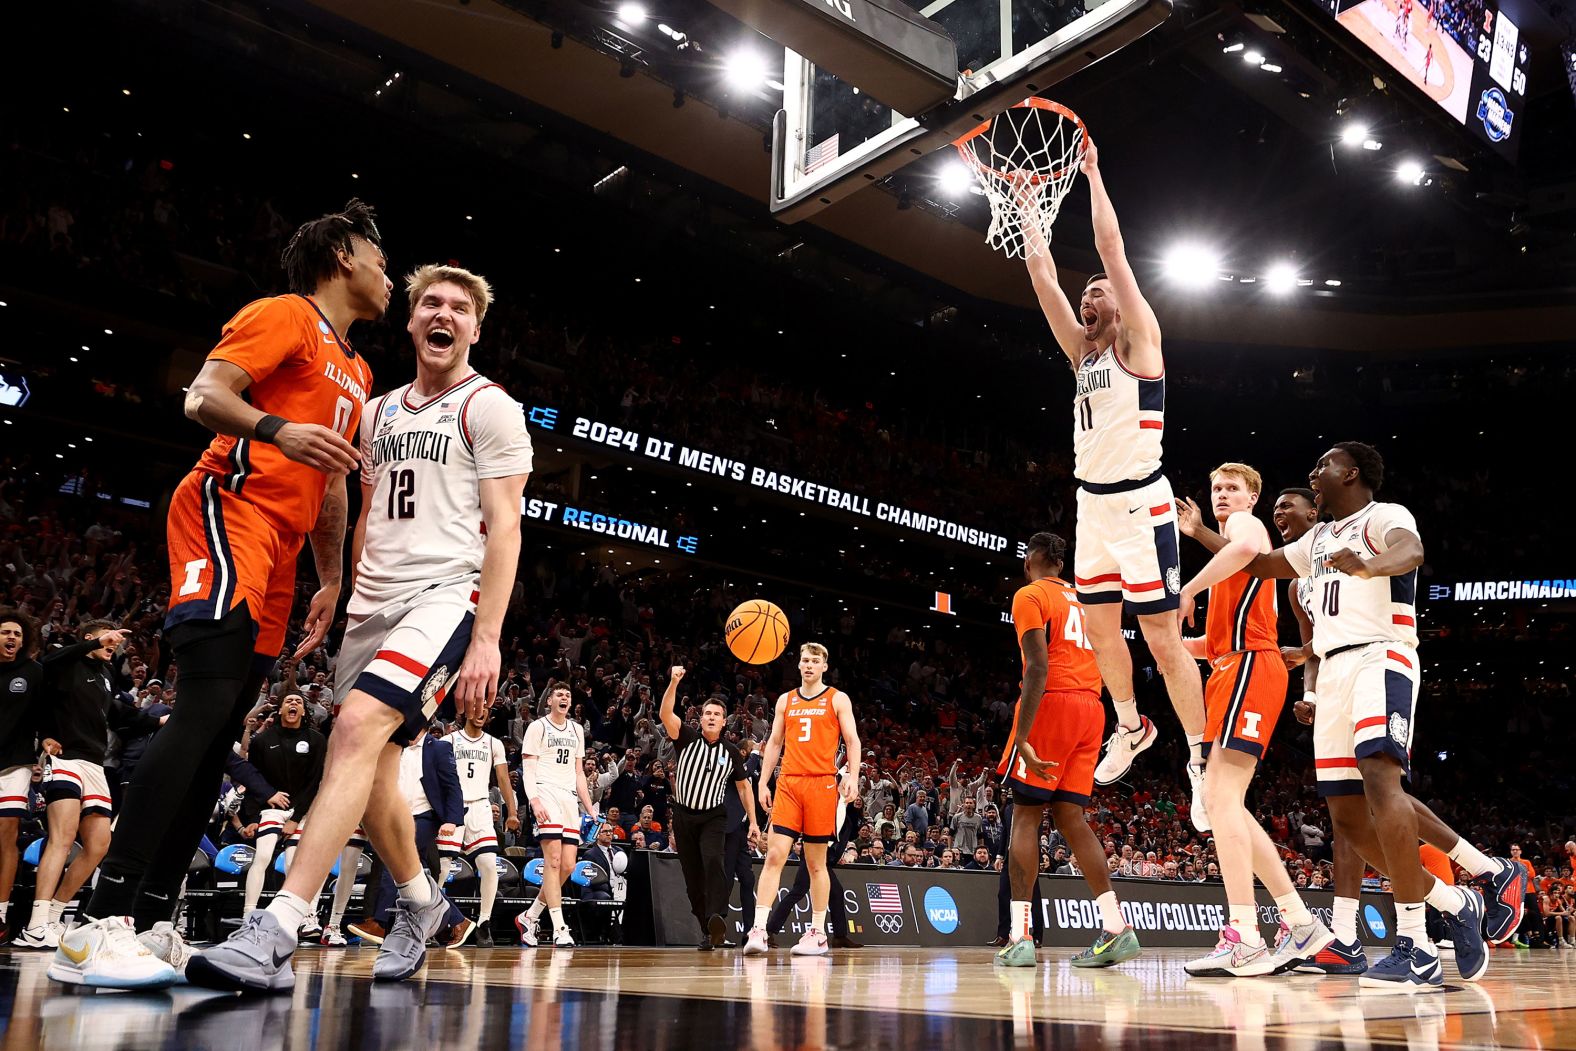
column 706, row 763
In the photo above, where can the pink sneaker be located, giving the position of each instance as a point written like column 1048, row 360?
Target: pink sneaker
column 755, row 943
column 812, row 944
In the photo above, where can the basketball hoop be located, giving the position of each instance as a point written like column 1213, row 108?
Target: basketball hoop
column 1025, row 160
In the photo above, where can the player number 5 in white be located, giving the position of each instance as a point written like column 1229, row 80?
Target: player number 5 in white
column 193, row 582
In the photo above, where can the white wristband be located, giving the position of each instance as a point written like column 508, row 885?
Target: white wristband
column 1310, row 697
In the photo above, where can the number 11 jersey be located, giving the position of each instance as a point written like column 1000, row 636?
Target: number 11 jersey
column 422, row 462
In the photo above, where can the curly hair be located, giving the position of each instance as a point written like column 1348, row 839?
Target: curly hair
column 1048, row 547
column 312, row 256
column 29, row 629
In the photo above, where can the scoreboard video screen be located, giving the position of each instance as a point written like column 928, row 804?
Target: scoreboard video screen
column 1470, row 56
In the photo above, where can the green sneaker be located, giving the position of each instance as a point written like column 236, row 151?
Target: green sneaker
column 1109, row 950
column 1018, row 953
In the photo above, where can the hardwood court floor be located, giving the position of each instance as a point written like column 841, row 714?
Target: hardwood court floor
column 863, row 999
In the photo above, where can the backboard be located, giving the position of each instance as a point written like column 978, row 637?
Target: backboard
column 830, row 139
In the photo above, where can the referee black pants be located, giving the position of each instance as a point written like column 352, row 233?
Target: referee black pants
column 699, row 836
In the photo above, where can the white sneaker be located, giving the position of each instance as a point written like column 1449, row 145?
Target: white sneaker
column 562, row 939
column 44, row 936
column 1121, row 748
column 333, row 936
column 1232, row 958
column 1196, row 811
column 106, row 954
column 812, row 944
column 165, row 942
column 755, row 943
column 527, row 928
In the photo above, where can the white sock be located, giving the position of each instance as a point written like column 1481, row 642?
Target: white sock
column 1245, row 921
column 557, row 914
column 538, row 906
column 487, row 866
column 40, row 917
column 445, row 866
column 1022, row 920
column 1195, row 749
column 57, row 910
column 1127, row 714
column 345, row 884
column 5, row 910
column 1410, row 923
column 1292, row 910
column 289, row 910
column 417, row 890
column 1445, row 898
column 1345, row 920
column 1472, row 859
column 762, row 913
column 1111, row 912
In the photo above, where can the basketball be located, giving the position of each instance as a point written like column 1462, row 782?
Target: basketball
column 757, row 631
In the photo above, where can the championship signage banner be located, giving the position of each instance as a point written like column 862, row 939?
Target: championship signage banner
column 613, row 527
column 1500, row 590
column 934, row 907
column 700, row 461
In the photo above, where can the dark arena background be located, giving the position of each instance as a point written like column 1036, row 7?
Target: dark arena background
column 764, row 352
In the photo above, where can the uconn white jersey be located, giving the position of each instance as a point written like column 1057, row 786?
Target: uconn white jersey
column 1302, row 592
column 475, row 757
column 1118, row 421
column 1350, row 611
column 422, row 462
column 558, row 751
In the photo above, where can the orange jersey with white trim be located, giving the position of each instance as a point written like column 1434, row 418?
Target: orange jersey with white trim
column 811, row 733
column 303, row 372
column 1052, row 604
column 1242, row 616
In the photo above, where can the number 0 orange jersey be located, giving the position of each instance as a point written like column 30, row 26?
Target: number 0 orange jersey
column 302, row 371
column 810, row 734
column 1052, row 604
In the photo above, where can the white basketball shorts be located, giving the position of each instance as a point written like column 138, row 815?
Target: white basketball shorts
column 1367, row 706
column 1126, row 547
column 81, row 780
column 563, row 814
column 14, row 784
column 476, row 836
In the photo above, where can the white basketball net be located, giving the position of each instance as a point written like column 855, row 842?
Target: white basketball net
column 1025, row 159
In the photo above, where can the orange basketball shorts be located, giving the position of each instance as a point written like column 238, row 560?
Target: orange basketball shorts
column 1067, row 730
column 1243, row 701
column 223, row 552
column 806, row 805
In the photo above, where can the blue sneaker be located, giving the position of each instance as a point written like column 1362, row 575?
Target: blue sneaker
column 1336, row 958
column 1504, row 900
column 1407, row 969
column 1466, row 931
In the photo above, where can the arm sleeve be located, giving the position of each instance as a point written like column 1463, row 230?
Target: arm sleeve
column 259, row 338
column 494, row 425
column 1299, row 554
column 54, row 658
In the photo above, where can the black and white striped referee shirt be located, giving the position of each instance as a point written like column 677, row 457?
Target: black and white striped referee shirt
column 706, row 770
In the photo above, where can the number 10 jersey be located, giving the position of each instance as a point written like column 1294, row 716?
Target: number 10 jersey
column 422, row 462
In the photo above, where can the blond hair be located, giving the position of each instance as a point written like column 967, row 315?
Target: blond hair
column 475, row 285
column 1254, row 480
column 816, row 649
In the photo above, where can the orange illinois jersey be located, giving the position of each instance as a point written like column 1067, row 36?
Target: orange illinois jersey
column 810, row 734
column 1241, row 616
column 302, row 371
column 1052, row 604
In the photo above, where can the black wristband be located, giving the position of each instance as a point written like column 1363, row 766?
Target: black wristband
column 267, row 427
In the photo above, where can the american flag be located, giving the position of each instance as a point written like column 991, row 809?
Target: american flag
column 883, row 897
column 818, row 155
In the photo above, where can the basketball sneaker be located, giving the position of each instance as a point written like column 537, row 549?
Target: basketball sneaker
column 1407, row 969
column 1335, row 958
column 369, row 931
column 1195, row 808
column 812, row 944
column 484, row 937
column 1232, row 958
column 165, row 942
column 333, row 937
column 106, row 954
column 1466, row 933
column 1121, row 748
column 1109, row 949
column 1504, row 900
column 255, row 958
column 44, row 936
column 1295, row 944
column 755, row 942
column 562, row 939
column 527, row 928
column 459, row 934
column 311, row 932
column 1018, row 953
column 404, row 948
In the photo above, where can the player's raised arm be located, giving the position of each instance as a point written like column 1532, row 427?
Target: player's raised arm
column 1140, row 328
column 1059, row 312
column 670, row 718
column 849, row 786
column 1245, row 538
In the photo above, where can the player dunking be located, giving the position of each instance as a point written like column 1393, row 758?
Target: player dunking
column 1365, row 635
column 1242, row 704
column 552, row 769
column 445, row 460
column 1050, row 757
column 1126, row 536
column 805, row 731
column 281, row 391
column 479, row 757
column 1503, row 882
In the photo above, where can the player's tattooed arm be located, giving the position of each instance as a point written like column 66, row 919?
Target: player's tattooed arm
column 328, row 552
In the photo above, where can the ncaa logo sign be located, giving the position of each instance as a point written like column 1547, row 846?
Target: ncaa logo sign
column 941, row 910
column 1375, row 921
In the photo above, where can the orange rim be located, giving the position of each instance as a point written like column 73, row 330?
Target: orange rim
column 961, row 143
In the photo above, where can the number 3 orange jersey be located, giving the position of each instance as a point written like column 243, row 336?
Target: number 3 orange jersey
column 1052, row 604
column 303, row 372
column 811, row 732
